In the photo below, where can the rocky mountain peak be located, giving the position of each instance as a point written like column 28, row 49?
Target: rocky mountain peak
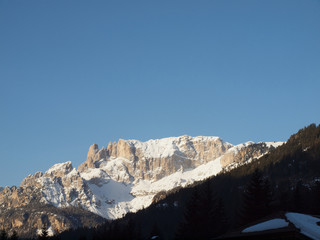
column 128, row 174
column 94, row 154
column 155, row 158
column 122, row 149
column 60, row 169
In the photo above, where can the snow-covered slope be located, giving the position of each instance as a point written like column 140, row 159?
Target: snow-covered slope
column 267, row 225
column 308, row 225
column 165, row 147
column 127, row 175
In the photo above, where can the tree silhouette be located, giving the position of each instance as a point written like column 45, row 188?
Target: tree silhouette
column 204, row 215
column 130, row 230
column 316, row 198
column 221, row 222
column 190, row 226
column 256, row 198
column 297, row 197
column 208, row 209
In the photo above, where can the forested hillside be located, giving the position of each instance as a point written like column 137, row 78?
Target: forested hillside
column 286, row 179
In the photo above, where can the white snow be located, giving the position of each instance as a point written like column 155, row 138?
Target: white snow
column 268, row 225
column 306, row 223
column 110, row 191
column 164, row 147
column 93, row 173
column 179, row 178
column 49, row 230
column 60, row 167
column 235, row 149
column 116, row 169
column 53, row 192
column 274, row 144
column 114, row 199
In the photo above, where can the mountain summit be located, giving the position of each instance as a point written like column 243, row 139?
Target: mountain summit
column 124, row 177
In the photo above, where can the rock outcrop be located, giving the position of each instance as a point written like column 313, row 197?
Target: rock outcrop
column 94, row 155
column 54, row 198
column 243, row 153
column 27, row 220
column 125, row 176
column 154, row 159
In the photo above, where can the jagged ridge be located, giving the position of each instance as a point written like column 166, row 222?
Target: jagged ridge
column 126, row 175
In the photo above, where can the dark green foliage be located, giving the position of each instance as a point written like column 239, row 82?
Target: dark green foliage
column 256, row 198
column 191, row 223
column 297, row 197
column 316, row 197
column 212, row 212
column 204, row 216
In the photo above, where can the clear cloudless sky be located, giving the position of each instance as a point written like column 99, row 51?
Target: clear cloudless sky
column 74, row 73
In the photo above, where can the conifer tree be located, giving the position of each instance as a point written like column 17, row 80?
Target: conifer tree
column 316, row 198
column 297, row 197
column 256, row 198
column 115, row 231
column 204, row 215
column 130, row 231
column 190, row 226
column 221, row 220
column 207, row 212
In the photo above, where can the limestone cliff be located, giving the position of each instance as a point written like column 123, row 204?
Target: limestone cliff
column 94, row 155
column 53, row 198
column 154, row 159
column 124, row 177
column 27, row 220
column 243, row 153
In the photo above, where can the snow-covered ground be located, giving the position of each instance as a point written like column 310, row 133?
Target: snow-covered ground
column 306, row 223
column 268, row 225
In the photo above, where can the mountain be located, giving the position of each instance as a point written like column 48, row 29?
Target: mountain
column 125, row 177
column 288, row 178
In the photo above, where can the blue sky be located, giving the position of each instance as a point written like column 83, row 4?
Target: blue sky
column 74, row 73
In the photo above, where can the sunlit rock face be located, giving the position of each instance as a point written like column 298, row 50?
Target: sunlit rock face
column 155, row 159
column 123, row 177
